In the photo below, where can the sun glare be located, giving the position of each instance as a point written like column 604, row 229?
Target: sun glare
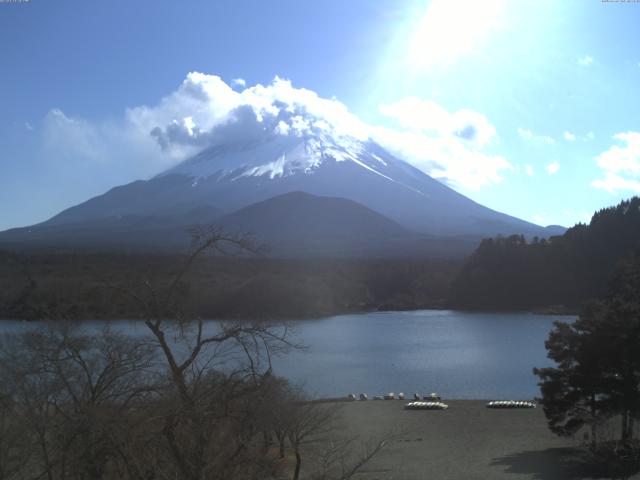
column 451, row 28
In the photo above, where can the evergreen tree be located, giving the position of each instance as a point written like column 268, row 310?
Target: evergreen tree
column 598, row 361
column 513, row 274
column 574, row 393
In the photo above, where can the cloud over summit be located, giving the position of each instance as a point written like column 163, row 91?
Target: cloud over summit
column 205, row 111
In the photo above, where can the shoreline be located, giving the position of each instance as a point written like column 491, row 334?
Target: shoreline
column 537, row 311
column 409, row 398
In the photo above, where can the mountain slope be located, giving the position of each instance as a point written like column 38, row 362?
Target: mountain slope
column 228, row 177
column 123, row 233
column 298, row 224
column 236, row 174
column 292, row 225
column 303, row 214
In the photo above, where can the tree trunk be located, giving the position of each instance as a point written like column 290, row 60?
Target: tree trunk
column 267, row 440
column 625, row 425
column 594, row 423
column 296, row 473
column 45, row 454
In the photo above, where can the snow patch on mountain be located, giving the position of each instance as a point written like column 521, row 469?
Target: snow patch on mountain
column 278, row 155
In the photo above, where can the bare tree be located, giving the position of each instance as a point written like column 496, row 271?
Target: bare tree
column 315, row 430
column 213, row 373
column 70, row 391
column 343, row 458
column 308, row 422
column 13, row 455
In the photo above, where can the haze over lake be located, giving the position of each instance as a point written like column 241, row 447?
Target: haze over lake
column 464, row 355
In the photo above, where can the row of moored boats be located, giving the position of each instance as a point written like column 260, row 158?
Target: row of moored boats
column 433, row 401
column 392, row 396
column 510, row 404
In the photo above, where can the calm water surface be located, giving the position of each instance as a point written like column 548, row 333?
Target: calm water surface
column 457, row 354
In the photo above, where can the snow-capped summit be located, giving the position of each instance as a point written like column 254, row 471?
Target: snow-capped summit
column 277, row 156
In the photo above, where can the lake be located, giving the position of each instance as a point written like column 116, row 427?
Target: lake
column 464, row 355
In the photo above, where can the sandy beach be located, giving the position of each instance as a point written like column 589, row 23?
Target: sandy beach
column 467, row 441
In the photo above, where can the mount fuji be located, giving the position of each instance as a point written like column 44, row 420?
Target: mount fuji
column 221, row 180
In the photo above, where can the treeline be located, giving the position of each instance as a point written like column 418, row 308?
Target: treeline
column 91, row 286
column 560, row 273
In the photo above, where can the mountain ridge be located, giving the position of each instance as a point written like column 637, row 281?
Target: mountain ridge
column 291, row 225
column 225, row 178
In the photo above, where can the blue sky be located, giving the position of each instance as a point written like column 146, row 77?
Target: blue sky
column 549, row 90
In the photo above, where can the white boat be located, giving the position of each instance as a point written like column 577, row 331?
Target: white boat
column 426, row 406
column 511, row 404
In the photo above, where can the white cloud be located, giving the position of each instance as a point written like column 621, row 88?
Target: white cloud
column 572, row 137
column 529, row 136
column 585, row 61
column 539, row 219
column 620, row 164
column 612, row 183
column 204, row 110
column 196, row 115
column 529, row 170
column 525, row 134
column 118, row 147
column 553, row 168
column 448, row 145
column 75, row 137
column 28, row 126
column 625, row 159
column 282, row 128
column 239, row 82
column 446, row 158
column 418, row 115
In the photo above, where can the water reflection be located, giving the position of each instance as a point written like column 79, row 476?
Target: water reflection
column 458, row 354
